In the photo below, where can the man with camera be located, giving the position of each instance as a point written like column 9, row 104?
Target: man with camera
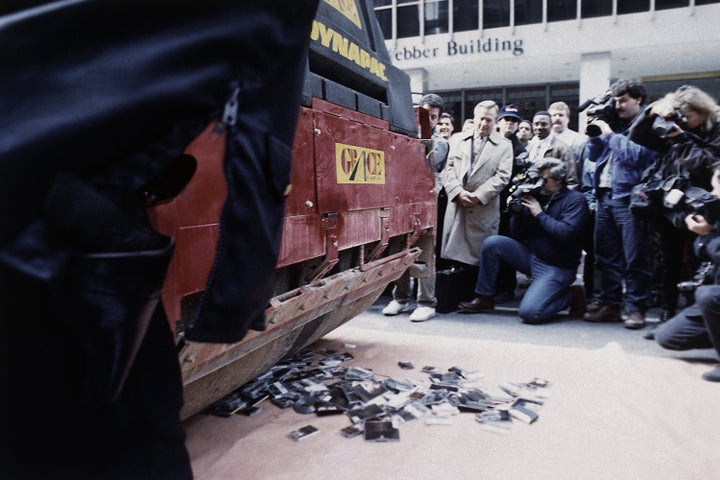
column 546, row 245
column 698, row 326
column 621, row 240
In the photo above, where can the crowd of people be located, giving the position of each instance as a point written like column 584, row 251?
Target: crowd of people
column 637, row 194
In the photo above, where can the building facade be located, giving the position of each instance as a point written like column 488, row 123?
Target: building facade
column 534, row 52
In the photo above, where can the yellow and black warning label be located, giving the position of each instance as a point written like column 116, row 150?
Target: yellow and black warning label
column 348, row 8
column 359, row 165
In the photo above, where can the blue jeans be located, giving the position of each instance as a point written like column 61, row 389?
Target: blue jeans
column 708, row 299
column 622, row 254
column 684, row 331
column 549, row 291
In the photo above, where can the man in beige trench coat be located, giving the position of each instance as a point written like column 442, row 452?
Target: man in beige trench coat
column 478, row 168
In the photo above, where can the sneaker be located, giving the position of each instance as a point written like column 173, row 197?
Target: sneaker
column 395, row 307
column 422, row 314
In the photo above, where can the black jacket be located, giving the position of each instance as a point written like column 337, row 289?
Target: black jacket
column 555, row 234
column 692, row 153
column 111, row 102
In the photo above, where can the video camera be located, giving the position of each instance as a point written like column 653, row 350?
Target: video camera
column 526, row 183
column 674, row 195
column 693, row 201
column 662, row 126
column 601, row 107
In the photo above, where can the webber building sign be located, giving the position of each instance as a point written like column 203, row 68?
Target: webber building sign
column 455, row 49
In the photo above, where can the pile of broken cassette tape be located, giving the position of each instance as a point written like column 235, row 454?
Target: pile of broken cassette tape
column 319, row 382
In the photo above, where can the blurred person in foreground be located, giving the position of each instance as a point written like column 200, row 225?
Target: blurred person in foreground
column 92, row 387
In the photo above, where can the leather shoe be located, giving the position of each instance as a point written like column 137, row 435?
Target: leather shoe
column 594, row 306
column 577, row 301
column 606, row 313
column 713, row 375
column 635, row 320
column 481, row 303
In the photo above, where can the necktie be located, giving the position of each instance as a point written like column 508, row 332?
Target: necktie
column 477, row 151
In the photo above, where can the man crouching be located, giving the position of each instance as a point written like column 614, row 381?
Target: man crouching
column 546, row 244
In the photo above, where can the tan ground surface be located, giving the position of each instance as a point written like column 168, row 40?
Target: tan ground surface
column 612, row 415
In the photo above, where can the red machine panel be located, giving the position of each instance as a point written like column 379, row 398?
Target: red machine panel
column 302, row 198
column 360, row 166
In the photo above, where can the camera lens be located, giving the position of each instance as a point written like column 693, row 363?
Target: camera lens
column 593, row 130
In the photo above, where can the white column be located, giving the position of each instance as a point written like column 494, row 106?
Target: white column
column 418, row 83
column 594, row 79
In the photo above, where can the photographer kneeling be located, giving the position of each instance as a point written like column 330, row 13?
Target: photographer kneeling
column 546, row 245
column 698, row 326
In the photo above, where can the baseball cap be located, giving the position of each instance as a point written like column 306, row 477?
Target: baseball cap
column 510, row 110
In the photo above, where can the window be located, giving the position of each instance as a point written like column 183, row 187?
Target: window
column 632, row 6
column 559, row 10
column 473, row 97
column 496, row 13
column 465, row 15
column 568, row 93
column 665, row 4
column 658, row 89
column 436, row 16
column 706, row 2
column 453, row 106
column 529, row 99
column 384, row 17
column 598, row 8
column 528, row 12
column 408, row 19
